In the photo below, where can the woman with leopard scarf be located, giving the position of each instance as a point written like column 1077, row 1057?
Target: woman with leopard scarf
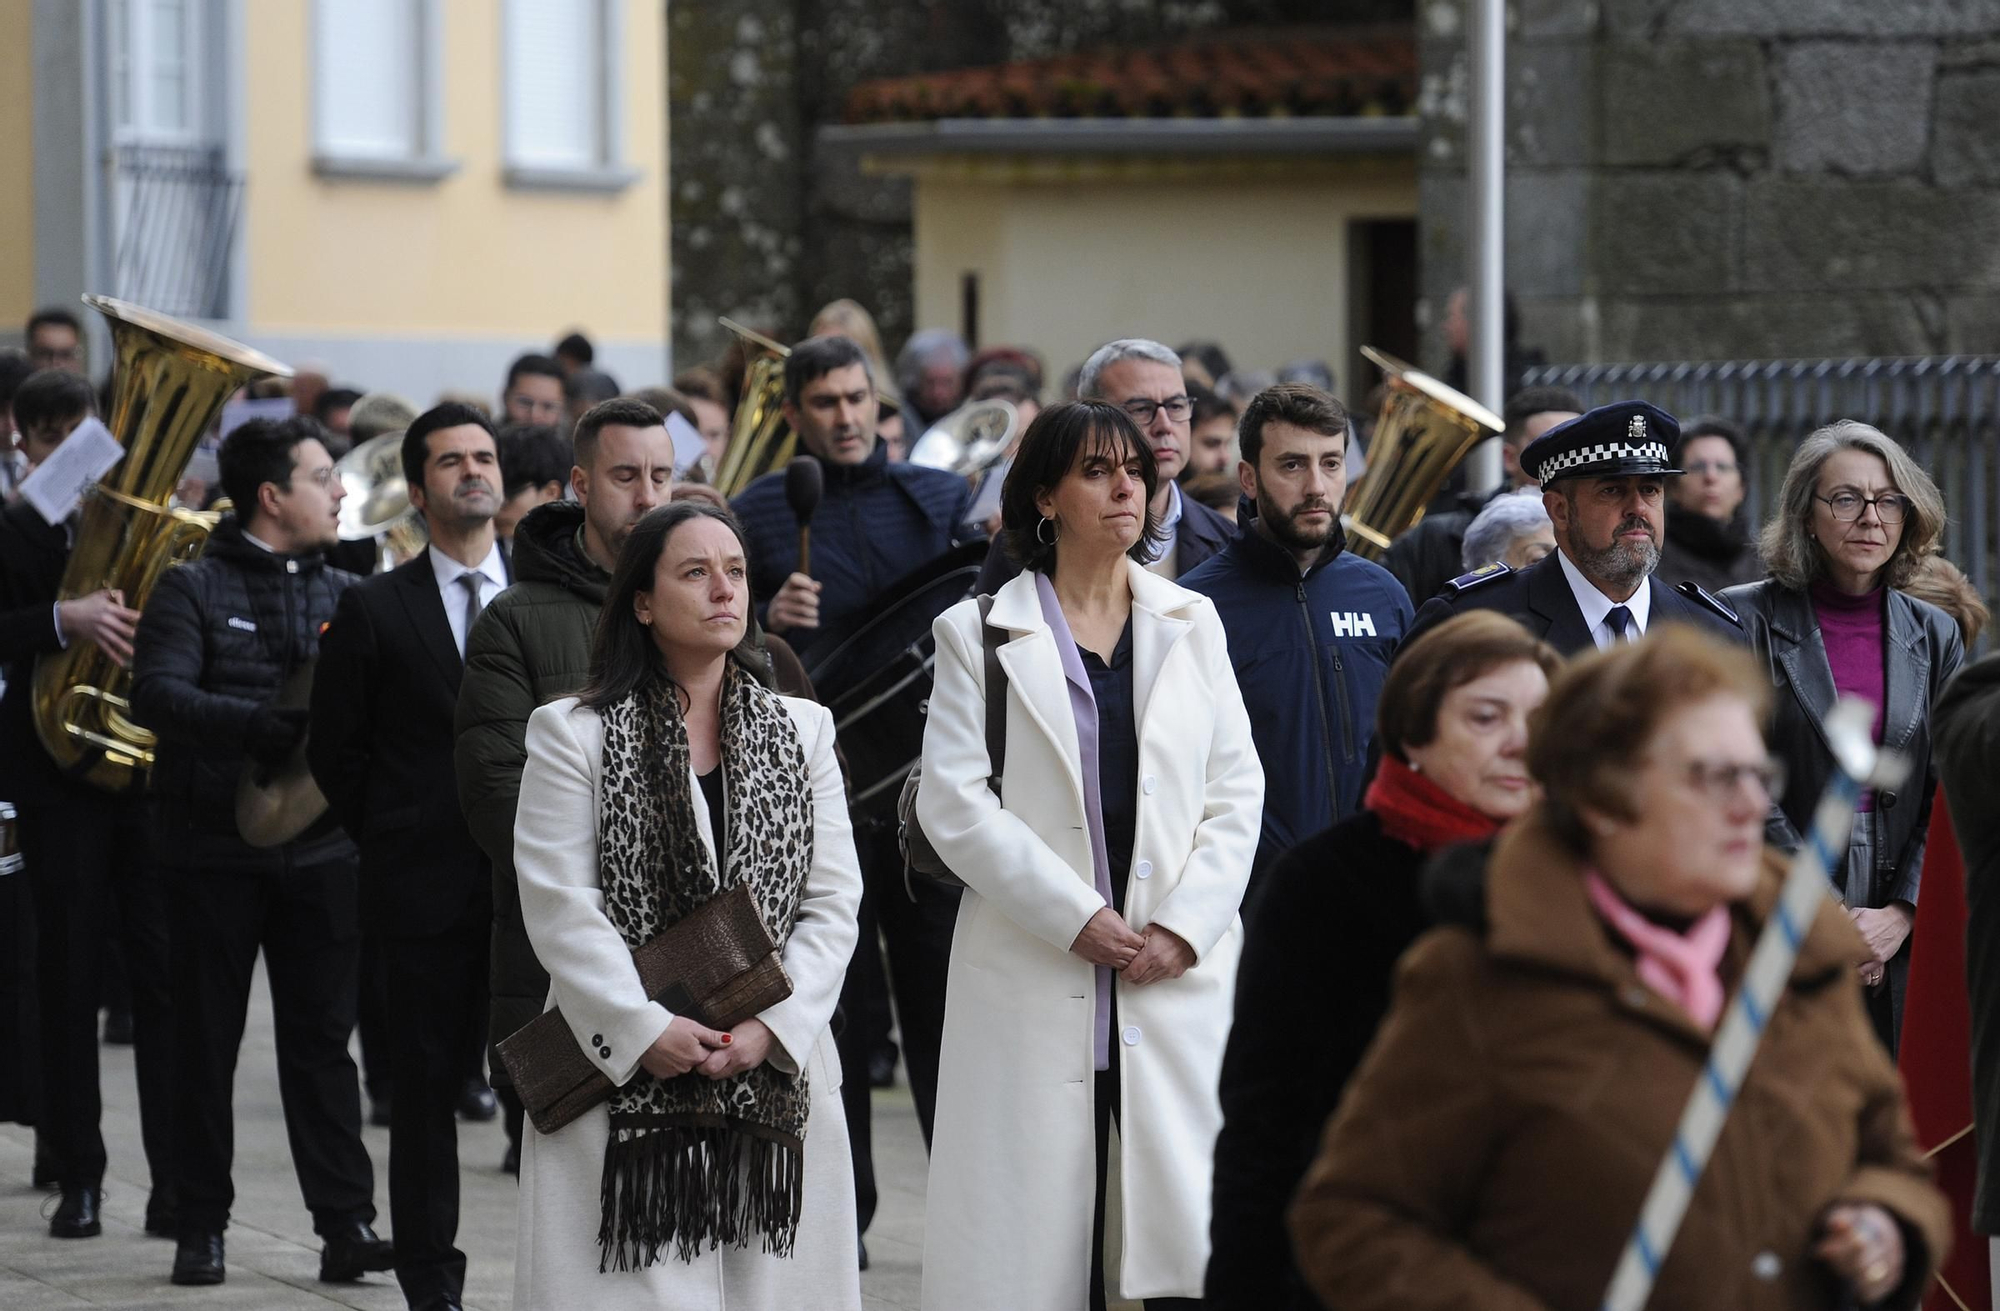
column 719, row 1172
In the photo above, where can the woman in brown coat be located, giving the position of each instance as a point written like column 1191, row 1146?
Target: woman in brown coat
column 1496, row 1145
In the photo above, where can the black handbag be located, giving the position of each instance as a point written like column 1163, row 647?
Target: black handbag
column 919, row 856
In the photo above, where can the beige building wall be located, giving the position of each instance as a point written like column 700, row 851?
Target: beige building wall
column 467, row 259
column 17, row 165
column 1255, row 258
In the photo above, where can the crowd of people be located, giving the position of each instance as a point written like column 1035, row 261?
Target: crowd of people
column 1318, row 932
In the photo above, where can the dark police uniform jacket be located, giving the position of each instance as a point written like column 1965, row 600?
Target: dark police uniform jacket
column 1540, row 598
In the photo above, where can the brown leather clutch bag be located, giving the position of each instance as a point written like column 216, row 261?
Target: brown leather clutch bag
column 718, row 966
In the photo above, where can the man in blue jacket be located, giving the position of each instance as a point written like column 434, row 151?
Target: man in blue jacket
column 1311, row 627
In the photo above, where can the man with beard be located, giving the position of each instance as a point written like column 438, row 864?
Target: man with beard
column 217, row 643
column 381, row 751
column 532, row 645
column 1302, row 613
column 1144, row 379
column 1604, row 479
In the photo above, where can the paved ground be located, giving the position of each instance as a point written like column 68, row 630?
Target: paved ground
column 273, row 1254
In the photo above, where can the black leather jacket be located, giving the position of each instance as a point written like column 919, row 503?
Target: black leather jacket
column 217, row 640
column 1923, row 651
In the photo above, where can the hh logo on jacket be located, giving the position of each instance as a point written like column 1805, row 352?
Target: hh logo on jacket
column 1347, row 623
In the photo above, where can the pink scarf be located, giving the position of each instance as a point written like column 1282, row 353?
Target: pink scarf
column 1682, row 967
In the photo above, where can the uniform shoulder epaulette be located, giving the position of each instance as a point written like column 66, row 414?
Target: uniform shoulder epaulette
column 1484, row 574
column 1701, row 596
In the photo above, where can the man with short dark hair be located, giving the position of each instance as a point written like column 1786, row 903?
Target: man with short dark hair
column 1312, row 627
column 55, row 339
column 534, row 465
column 334, row 408
column 83, row 849
column 1211, row 434
column 381, row 751
column 534, row 391
column 1604, row 479
column 1428, row 556
column 575, row 352
column 219, row 642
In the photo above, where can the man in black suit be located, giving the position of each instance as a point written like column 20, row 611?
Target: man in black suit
column 1603, row 477
column 85, row 850
column 1144, row 379
column 381, row 750
column 219, row 641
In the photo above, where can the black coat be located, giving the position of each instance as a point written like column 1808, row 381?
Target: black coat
column 1201, row 533
column 1923, row 650
column 381, row 750
column 1966, row 729
column 1539, row 596
column 32, row 556
column 217, row 641
column 1706, row 552
column 1319, row 953
column 1431, row 554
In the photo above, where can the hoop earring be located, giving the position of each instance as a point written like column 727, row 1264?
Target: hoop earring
column 1054, row 531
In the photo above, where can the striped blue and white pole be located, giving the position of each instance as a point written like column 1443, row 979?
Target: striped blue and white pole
column 1805, row 890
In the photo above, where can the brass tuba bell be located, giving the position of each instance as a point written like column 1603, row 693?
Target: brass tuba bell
column 169, row 381
column 1424, row 430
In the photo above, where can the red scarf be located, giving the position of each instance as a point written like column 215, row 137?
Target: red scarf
column 1418, row 812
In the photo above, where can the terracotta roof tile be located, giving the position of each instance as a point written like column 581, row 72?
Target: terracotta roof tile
column 1314, row 71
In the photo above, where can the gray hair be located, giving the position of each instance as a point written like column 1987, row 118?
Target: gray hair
column 923, row 347
column 1505, row 520
column 1089, row 383
column 1790, row 552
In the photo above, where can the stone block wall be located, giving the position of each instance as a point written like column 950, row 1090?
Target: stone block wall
column 1708, row 179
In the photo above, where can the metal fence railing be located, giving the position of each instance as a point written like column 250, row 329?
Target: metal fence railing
column 176, row 213
column 1945, row 410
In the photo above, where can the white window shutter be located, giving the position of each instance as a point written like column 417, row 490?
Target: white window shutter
column 369, row 85
column 555, row 51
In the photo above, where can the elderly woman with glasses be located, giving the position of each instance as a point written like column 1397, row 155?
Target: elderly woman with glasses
column 1855, row 519
column 1513, row 529
column 1495, row 1147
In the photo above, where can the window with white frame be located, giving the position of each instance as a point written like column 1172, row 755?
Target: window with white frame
column 155, row 74
column 375, row 87
column 562, row 89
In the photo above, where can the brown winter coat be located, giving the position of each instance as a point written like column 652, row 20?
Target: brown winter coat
column 1495, row 1147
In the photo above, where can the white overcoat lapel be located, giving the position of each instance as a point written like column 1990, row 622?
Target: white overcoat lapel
column 1155, row 633
column 1034, row 672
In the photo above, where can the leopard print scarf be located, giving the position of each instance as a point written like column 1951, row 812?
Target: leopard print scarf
column 692, row 1161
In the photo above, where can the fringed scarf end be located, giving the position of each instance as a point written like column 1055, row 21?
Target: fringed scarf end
column 695, row 1187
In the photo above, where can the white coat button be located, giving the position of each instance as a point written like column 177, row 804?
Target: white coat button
column 1131, row 1035
column 1149, row 785
column 1143, row 870
column 1766, row 1266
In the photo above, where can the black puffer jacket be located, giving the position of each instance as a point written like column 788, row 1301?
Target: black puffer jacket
column 217, row 640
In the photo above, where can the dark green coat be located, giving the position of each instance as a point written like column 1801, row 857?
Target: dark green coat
column 531, row 646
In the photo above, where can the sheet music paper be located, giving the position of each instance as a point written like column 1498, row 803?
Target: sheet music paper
column 59, row 482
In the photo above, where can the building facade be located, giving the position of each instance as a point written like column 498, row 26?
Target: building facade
column 406, row 193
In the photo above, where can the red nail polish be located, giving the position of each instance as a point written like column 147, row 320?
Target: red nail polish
column 727, row 1039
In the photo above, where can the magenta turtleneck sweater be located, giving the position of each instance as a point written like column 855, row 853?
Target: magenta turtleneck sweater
column 1851, row 627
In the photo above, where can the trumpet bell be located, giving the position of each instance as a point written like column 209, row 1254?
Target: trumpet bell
column 377, row 497
column 970, row 440
column 1424, row 429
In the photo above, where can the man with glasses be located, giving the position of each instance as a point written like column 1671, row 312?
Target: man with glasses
column 55, row 340
column 1604, row 478
column 1708, row 541
column 1144, row 379
column 218, row 640
column 535, row 392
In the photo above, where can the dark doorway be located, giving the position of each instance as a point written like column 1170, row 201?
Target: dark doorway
column 1382, row 300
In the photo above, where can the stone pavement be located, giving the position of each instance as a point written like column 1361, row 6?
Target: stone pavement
column 273, row 1254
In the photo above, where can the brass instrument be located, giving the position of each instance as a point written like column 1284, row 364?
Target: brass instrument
column 377, row 503
column 1424, row 430
column 760, row 440
column 169, row 382
column 970, row 440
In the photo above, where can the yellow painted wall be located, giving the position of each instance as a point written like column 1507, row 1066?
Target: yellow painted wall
column 1254, row 258
column 17, row 164
column 468, row 256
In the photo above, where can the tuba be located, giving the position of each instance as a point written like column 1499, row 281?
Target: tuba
column 169, row 382
column 1424, row 430
column 760, row 440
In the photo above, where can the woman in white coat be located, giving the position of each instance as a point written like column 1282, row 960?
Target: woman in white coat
column 1095, row 952
column 718, row 1176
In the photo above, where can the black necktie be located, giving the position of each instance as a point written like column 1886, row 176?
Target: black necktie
column 1619, row 621
column 469, row 580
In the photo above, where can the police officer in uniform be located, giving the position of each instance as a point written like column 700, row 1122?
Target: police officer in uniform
column 1604, row 478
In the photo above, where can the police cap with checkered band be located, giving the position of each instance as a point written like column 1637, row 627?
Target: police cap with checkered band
column 1623, row 439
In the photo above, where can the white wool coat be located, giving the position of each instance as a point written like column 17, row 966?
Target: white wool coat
column 591, row 977
column 1008, row 1219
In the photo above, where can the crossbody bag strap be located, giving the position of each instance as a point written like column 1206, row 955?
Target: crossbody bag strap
column 996, row 697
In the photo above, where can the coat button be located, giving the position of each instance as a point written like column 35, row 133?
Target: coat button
column 1149, row 785
column 1888, row 800
column 1766, row 1266
column 1143, row 870
column 597, row 1040
column 1131, row 1035
column 604, row 1052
